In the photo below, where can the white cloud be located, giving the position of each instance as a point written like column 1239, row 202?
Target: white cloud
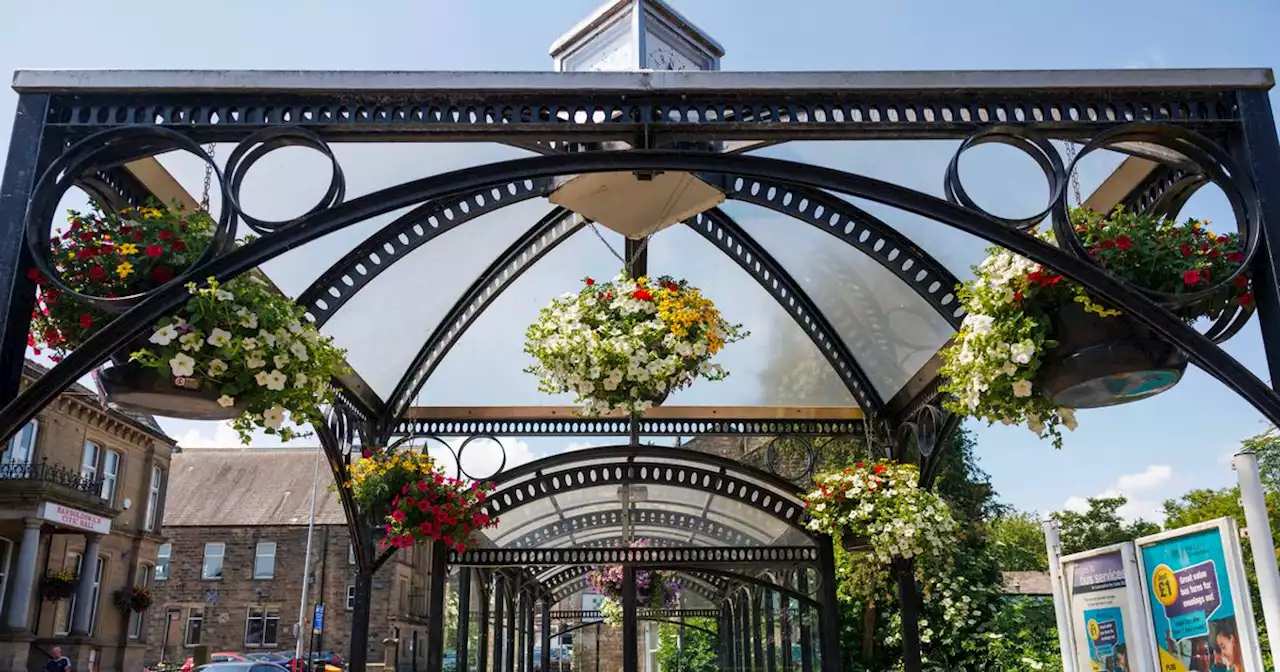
column 1137, row 488
column 220, row 435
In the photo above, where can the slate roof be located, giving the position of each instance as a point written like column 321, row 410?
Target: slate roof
column 1027, row 583
column 235, row 487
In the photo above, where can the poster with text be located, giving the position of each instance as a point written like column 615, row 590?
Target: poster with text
column 1100, row 612
column 1195, row 618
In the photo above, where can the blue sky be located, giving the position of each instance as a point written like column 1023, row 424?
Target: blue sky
column 1149, row 451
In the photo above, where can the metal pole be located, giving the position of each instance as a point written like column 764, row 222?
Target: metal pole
column 435, row 608
column 1260, row 152
column 499, row 621
column 828, row 619
column 464, row 620
column 806, row 636
column 757, row 636
column 1053, row 546
column 770, row 638
column 509, row 647
column 597, row 647
column 306, row 565
column 630, row 663
column 909, row 597
column 1264, row 556
column 482, row 661
column 546, row 634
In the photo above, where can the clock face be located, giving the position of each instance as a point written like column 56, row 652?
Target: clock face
column 663, row 57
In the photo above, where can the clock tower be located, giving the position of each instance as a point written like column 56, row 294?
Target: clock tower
column 636, row 36
column 630, row 35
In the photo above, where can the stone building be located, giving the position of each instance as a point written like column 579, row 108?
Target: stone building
column 81, row 481
column 231, row 575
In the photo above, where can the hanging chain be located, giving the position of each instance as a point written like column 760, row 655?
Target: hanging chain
column 1075, row 176
column 211, row 149
column 626, row 263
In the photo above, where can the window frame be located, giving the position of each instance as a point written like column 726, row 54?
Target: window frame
column 258, row 558
column 268, row 620
column 163, row 552
column 222, row 558
column 351, row 597
column 61, row 629
column 196, row 614
column 141, row 577
column 153, row 500
column 112, row 477
column 21, row 438
column 100, row 571
column 89, row 468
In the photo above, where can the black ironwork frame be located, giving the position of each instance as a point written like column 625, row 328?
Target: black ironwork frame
column 1220, row 123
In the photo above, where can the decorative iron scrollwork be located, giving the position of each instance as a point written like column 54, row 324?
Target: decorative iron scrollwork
column 458, row 454
column 259, row 144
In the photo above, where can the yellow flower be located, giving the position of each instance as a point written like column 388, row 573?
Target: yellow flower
column 128, row 248
column 124, row 270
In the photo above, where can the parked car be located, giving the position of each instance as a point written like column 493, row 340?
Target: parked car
column 241, row 666
column 329, row 658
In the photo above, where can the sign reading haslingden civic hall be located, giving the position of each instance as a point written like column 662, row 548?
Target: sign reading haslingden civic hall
column 1104, row 598
column 1198, row 599
column 74, row 518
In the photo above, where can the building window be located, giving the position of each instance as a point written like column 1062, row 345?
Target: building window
column 89, row 461
column 351, row 598
column 22, row 446
column 65, row 608
column 153, row 500
column 110, row 475
column 351, row 554
column 262, row 627
column 264, row 560
column 6, row 551
column 195, row 624
column 162, row 561
column 65, row 615
column 213, row 552
column 141, row 579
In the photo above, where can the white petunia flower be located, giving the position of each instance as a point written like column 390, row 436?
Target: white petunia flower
column 191, row 341
column 299, row 350
column 280, row 361
column 226, row 401
column 219, row 338
column 182, row 365
column 217, row 367
column 224, row 296
column 164, row 335
column 1022, row 352
column 255, row 362
column 273, row 418
column 1022, row 388
column 1068, row 418
column 276, row 380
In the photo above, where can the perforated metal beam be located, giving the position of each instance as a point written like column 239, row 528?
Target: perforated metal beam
column 645, row 517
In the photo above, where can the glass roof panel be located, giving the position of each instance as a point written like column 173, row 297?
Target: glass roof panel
column 1001, row 179
column 486, row 366
column 890, row 330
column 290, row 181
column 385, row 323
column 777, row 364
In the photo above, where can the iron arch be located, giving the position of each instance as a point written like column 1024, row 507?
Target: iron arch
column 133, row 322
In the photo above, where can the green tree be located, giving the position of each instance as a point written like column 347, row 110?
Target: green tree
column 1017, row 541
column 1267, row 446
column 1099, row 526
column 699, row 653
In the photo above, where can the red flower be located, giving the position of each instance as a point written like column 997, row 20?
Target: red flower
column 480, row 496
column 364, row 452
column 86, row 320
column 608, row 296
column 97, row 273
column 154, row 250
column 589, row 280
column 1246, row 299
column 461, row 547
column 1236, row 257
column 1186, row 250
column 1213, row 254
column 1222, row 240
column 86, row 235
column 31, row 340
column 398, row 516
column 409, row 502
column 1191, row 277
column 1204, row 247
column 137, row 236
column 1124, row 242
column 85, row 253
column 439, row 479
column 161, row 274
column 424, row 529
column 879, row 468
column 165, row 235
column 424, row 505
column 1108, row 244
column 178, row 245
column 642, row 295
column 673, row 287
column 1241, row 281
column 422, row 486
column 405, row 490
column 859, row 465
column 34, row 275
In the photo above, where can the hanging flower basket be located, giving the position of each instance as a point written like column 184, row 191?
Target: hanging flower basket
column 416, row 502
column 655, row 589
column 238, row 351
column 880, row 508
column 133, row 598
column 625, row 345
column 1034, row 347
column 57, row 586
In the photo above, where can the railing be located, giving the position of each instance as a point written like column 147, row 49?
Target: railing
column 50, row 473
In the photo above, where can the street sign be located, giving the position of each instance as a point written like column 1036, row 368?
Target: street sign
column 317, row 623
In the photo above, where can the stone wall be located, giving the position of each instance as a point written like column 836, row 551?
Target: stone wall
column 225, row 603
